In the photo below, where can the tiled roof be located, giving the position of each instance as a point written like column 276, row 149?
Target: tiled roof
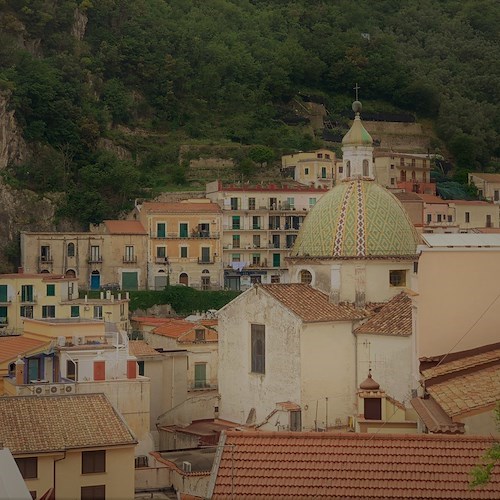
column 472, row 202
column 393, row 319
column 181, row 208
column 141, row 349
column 430, row 198
column 184, row 330
column 487, row 177
column 150, row 320
column 124, row 227
column 435, row 418
column 300, row 465
column 13, row 346
column 312, row 305
column 38, row 424
column 468, row 391
column 404, row 196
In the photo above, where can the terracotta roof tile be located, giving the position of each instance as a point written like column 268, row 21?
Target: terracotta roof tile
column 312, row 305
column 150, row 320
column 184, row 331
column 467, row 391
column 435, row 418
column 124, row 227
column 393, row 319
column 181, row 208
column 261, row 465
column 13, row 346
column 38, row 424
column 141, row 348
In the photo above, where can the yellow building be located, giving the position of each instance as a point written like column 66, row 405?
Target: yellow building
column 315, row 168
column 184, row 243
column 74, row 446
column 488, row 185
column 48, row 296
column 113, row 253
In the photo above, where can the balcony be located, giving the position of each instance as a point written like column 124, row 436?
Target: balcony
column 95, row 259
column 205, row 261
column 192, row 235
column 45, row 259
column 161, row 260
column 130, row 259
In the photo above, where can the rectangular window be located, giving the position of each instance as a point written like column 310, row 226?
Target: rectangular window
column 236, row 222
column 341, row 170
column 183, row 230
column 327, row 156
column 496, row 195
column 97, row 312
column 319, row 155
column 256, row 222
column 200, row 375
column 467, row 216
column 26, row 312
column 93, row 461
column 397, row 277
column 296, row 421
column 256, row 240
column 141, row 367
column 256, row 259
column 129, row 253
column 373, row 408
column 274, row 222
column 71, row 370
column 275, row 278
column 393, row 181
column 450, row 218
column 323, row 172
column 184, row 252
column 488, row 221
column 234, row 204
column 236, row 241
column 51, row 290
column 258, row 340
column 439, row 217
column 199, row 335
column 95, row 253
column 48, row 311
column 27, row 293
column 28, row 467
column 251, row 203
column 161, row 252
column 312, row 202
column 205, row 255
column 93, row 492
column 45, row 253
column 3, row 293
column 3, row 315
column 429, row 218
column 290, row 202
column 235, row 257
column 161, row 230
column 75, row 311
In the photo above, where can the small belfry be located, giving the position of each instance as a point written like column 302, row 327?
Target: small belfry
column 357, row 148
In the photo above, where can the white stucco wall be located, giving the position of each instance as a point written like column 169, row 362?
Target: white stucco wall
column 328, row 371
column 391, row 363
column 240, row 389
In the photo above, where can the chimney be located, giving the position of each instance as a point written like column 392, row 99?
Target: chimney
column 131, row 368
column 19, row 371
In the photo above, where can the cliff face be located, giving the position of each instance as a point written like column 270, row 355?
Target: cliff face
column 19, row 209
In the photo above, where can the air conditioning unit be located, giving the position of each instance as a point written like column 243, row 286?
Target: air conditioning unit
column 61, row 341
column 77, row 340
column 67, row 389
column 39, row 390
column 186, row 466
column 51, row 389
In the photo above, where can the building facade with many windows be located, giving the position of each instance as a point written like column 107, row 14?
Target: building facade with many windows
column 260, row 224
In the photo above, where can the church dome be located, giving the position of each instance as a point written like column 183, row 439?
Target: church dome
column 357, row 134
column 357, row 218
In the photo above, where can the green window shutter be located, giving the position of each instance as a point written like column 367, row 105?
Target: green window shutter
column 3, row 293
column 75, row 311
column 51, row 290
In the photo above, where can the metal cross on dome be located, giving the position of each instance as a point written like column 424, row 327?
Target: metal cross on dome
column 356, row 88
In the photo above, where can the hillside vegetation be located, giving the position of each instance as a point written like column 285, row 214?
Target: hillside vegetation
column 148, row 76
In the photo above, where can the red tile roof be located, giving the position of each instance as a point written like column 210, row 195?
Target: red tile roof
column 184, row 331
column 38, row 424
column 393, row 319
column 435, row 418
column 124, row 227
column 141, row 349
column 312, row 305
column 13, row 346
column 150, row 320
column 181, row 208
column 295, row 465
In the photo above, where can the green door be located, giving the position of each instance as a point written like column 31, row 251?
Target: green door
column 200, row 375
column 129, row 281
column 183, row 230
column 276, row 260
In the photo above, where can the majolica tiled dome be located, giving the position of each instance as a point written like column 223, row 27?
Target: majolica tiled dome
column 357, row 218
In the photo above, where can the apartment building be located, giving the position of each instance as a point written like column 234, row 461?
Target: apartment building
column 184, row 243
column 315, row 168
column 110, row 254
column 260, row 224
column 488, row 186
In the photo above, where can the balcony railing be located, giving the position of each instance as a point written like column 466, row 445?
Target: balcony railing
column 130, row 259
column 45, row 259
column 206, row 261
column 192, row 235
column 96, row 259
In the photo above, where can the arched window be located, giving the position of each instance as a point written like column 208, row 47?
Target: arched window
column 71, row 250
column 305, row 277
column 366, row 169
column 184, row 279
column 348, row 169
column 413, row 175
column 70, row 273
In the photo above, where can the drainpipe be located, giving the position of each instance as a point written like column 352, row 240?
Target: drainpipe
column 54, row 474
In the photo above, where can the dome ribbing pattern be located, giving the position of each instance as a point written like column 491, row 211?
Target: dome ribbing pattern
column 357, row 218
